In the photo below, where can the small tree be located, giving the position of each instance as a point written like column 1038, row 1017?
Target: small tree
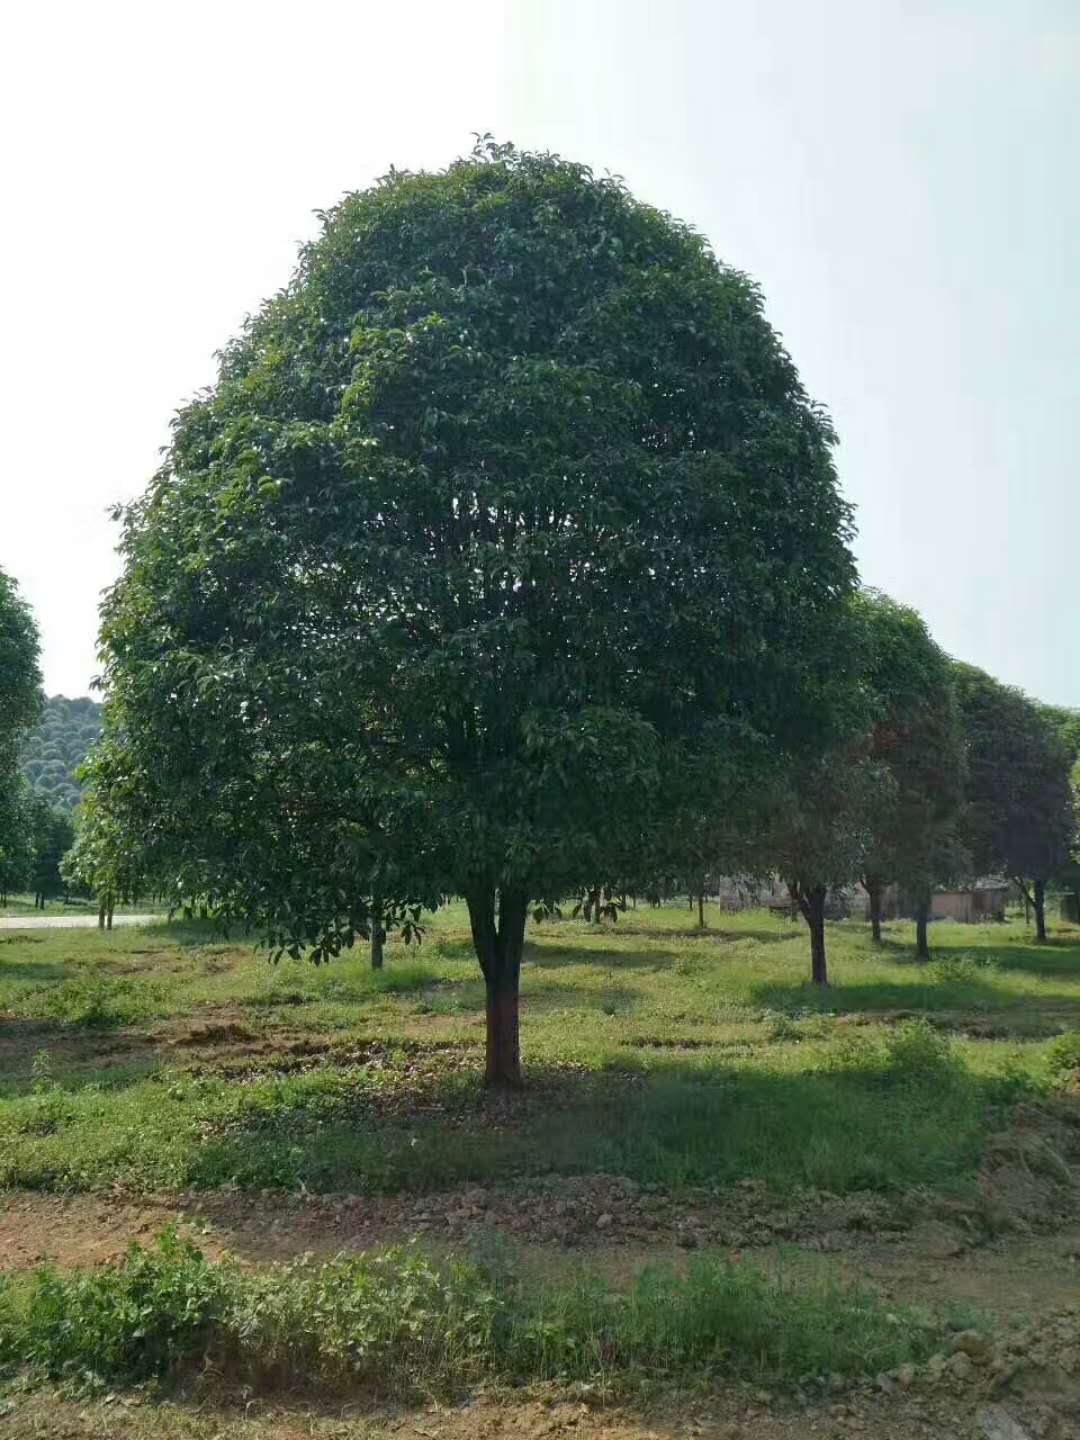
column 104, row 859
column 54, row 834
column 1018, row 817
column 1066, row 722
column 917, row 745
column 507, row 502
column 820, row 834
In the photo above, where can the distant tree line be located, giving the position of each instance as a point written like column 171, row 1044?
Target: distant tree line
column 55, row 748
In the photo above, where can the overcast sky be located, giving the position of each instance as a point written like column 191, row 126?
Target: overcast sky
column 901, row 178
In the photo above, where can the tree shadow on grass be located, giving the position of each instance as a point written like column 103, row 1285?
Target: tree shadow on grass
column 33, row 972
column 78, row 1055
column 677, row 1127
column 1059, row 956
column 1031, row 1016
column 547, row 957
column 1055, row 959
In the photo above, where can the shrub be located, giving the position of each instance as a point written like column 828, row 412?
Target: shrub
column 1063, row 1058
column 138, row 1318
column 99, row 1001
column 915, row 1051
column 402, row 1323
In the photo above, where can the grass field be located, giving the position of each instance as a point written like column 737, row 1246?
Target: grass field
column 164, row 1060
column 16, row 906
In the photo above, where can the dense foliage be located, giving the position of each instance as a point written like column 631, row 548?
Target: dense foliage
column 57, row 746
column 20, row 701
column 1019, row 817
column 919, row 747
column 508, row 504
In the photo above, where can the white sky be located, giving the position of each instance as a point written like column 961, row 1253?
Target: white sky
column 900, row 177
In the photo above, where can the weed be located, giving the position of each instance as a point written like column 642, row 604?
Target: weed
column 100, row 1001
column 403, row 1323
column 1063, row 1058
column 916, row 1052
column 129, row 1321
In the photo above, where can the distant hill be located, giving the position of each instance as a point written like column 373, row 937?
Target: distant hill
column 58, row 746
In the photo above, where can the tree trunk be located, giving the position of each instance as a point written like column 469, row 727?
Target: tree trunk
column 700, row 911
column 1040, row 909
column 812, row 904
column 1034, row 903
column 108, row 916
column 873, row 890
column 498, row 944
column 101, row 915
column 922, row 916
column 378, row 938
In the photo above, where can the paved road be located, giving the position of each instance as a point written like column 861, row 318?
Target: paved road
column 69, row 922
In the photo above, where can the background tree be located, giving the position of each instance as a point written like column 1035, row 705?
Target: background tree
column 53, row 835
column 20, row 702
column 1066, row 722
column 54, row 749
column 16, row 839
column 917, row 747
column 1018, row 816
column 105, row 861
column 819, row 832
column 509, row 499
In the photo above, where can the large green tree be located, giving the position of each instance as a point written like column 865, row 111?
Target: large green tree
column 1018, row 819
column 917, row 745
column 20, row 704
column 509, row 500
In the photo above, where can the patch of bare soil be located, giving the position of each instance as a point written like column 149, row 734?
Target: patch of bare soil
column 1012, row 1253
column 918, row 1414
column 70, row 1047
column 1029, row 1188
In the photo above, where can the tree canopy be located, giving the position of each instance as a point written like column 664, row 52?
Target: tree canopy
column 1018, row 817
column 917, row 741
column 510, row 497
column 56, row 747
column 20, row 701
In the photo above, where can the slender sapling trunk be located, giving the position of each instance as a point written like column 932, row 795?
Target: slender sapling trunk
column 1040, row 909
column 874, row 890
column 922, row 917
column 378, row 938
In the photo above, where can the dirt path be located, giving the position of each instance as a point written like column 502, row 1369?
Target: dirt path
column 69, row 922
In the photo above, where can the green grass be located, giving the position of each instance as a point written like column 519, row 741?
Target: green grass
column 18, row 905
column 403, row 1324
column 175, row 1059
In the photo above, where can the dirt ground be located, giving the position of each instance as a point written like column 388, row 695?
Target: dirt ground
column 917, row 1249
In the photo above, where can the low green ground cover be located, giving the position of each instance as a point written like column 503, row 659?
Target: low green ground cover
column 164, row 1057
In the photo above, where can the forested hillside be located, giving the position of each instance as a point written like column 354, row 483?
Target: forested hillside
column 58, row 746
